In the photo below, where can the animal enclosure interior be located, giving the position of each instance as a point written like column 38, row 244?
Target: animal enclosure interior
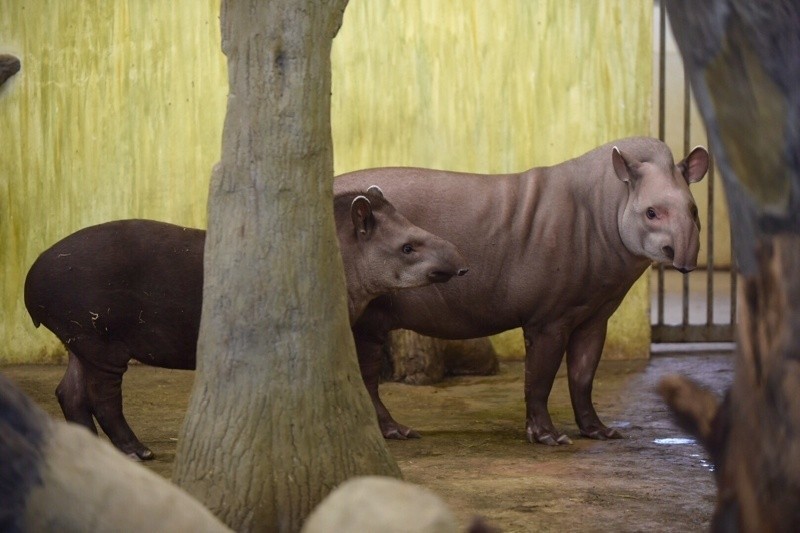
column 531, row 146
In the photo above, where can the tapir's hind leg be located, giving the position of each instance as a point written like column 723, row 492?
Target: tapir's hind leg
column 73, row 396
column 103, row 367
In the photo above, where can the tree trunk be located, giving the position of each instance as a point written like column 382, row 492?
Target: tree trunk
column 419, row 360
column 762, row 462
column 278, row 415
column 741, row 58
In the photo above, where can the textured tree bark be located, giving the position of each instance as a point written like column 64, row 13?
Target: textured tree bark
column 419, row 360
column 742, row 60
column 278, row 415
column 761, row 464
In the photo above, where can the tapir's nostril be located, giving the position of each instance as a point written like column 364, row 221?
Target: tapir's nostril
column 685, row 270
column 669, row 252
column 462, row 271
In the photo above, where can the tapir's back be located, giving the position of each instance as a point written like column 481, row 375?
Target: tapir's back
column 137, row 282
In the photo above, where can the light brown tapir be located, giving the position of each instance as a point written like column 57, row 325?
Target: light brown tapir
column 552, row 250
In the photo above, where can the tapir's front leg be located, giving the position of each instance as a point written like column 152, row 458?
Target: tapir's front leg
column 584, row 349
column 544, row 348
column 370, row 350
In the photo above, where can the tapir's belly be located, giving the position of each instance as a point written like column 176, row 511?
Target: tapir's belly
column 155, row 338
column 459, row 312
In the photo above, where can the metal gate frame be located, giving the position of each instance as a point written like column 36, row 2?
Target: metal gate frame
column 685, row 332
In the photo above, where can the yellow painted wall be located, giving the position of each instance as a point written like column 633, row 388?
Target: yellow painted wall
column 117, row 111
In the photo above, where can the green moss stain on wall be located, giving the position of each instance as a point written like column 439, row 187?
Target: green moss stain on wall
column 116, row 113
column 495, row 87
column 118, row 109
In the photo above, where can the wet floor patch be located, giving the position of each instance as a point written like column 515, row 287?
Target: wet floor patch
column 674, row 440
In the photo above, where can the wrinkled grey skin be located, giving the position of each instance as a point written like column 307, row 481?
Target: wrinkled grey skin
column 552, row 250
column 132, row 289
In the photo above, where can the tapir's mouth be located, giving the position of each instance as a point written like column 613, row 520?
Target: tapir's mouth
column 437, row 276
column 440, row 276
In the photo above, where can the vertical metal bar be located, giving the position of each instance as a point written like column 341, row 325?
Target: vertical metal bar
column 710, row 245
column 662, row 68
column 687, row 110
column 734, row 293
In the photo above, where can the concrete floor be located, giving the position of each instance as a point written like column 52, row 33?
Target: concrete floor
column 473, row 450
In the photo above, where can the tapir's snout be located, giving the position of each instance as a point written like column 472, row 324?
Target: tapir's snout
column 452, row 264
column 684, row 254
column 685, row 264
column 440, row 276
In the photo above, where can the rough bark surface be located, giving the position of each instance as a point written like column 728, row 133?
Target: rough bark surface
column 278, row 415
column 742, row 59
column 419, row 360
column 759, row 475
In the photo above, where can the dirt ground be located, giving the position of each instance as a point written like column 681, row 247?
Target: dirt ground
column 474, row 454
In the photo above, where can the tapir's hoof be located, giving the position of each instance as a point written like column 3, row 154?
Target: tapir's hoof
column 142, row 455
column 398, row 432
column 603, row 434
column 549, row 439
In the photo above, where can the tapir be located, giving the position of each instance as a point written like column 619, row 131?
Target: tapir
column 552, row 250
column 132, row 289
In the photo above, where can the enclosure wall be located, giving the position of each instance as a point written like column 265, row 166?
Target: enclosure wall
column 117, row 112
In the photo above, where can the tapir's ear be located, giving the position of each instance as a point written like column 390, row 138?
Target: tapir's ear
column 695, row 166
column 624, row 166
column 361, row 213
column 375, row 190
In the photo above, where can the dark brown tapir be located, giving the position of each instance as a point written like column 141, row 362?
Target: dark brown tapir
column 132, row 289
column 552, row 250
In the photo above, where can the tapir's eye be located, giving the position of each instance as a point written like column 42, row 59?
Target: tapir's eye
column 407, row 248
column 651, row 213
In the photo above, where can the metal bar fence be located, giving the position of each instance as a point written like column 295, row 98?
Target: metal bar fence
column 685, row 331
